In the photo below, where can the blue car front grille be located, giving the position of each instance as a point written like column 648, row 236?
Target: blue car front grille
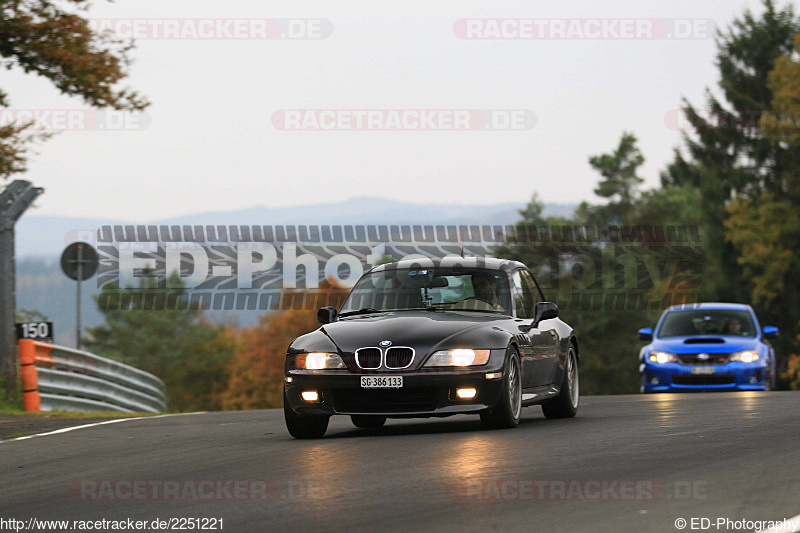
column 710, row 359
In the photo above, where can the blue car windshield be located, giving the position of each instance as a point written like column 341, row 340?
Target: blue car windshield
column 430, row 288
column 726, row 322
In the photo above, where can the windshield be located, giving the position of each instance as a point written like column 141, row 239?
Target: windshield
column 430, row 288
column 726, row 322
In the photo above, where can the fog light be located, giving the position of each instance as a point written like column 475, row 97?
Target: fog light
column 654, row 381
column 753, row 379
column 466, row 394
column 310, row 396
column 494, row 375
column 288, row 379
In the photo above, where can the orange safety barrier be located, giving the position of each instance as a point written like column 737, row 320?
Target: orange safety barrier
column 31, row 352
column 43, row 351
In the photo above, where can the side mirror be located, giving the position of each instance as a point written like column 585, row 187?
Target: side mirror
column 770, row 332
column 544, row 311
column 646, row 334
column 326, row 315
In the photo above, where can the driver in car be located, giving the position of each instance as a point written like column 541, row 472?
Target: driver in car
column 734, row 327
column 485, row 289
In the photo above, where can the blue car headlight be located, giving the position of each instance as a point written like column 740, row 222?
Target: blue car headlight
column 746, row 356
column 663, row 357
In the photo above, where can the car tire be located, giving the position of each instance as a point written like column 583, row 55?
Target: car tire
column 368, row 421
column 565, row 405
column 507, row 412
column 770, row 381
column 304, row 426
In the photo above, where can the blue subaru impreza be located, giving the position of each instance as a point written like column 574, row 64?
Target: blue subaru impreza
column 709, row 346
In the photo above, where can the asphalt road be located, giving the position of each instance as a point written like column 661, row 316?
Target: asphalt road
column 626, row 463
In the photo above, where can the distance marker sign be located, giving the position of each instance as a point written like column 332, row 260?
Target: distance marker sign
column 35, row 331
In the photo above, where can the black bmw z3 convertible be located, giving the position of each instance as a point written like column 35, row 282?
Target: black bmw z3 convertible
column 431, row 338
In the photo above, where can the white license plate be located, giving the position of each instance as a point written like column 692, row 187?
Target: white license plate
column 381, row 382
column 703, row 370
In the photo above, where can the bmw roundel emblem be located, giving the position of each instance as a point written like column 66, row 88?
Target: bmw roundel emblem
column 384, row 344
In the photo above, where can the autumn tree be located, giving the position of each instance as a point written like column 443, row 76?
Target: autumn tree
column 791, row 374
column 256, row 380
column 766, row 232
column 725, row 152
column 188, row 353
column 764, row 225
column 52, row 39
column 257, row 370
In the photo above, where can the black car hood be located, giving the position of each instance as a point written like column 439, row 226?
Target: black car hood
column 425, row 331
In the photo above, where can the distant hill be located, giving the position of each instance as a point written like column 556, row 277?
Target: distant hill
column 46, row 236
column 41, row 285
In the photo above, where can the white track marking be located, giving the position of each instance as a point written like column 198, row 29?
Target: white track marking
column 73, row 428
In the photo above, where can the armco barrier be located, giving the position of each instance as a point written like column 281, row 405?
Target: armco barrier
column 55, row 378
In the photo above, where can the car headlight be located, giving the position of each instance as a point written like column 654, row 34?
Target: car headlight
column 459, row 357
column 747, row 356
column 663, row 357
column 319, row 361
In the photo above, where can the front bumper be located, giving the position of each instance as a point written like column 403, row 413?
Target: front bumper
column 429, row 392
column 676, row 377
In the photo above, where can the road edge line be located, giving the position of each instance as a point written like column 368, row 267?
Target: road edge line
column 84, row 426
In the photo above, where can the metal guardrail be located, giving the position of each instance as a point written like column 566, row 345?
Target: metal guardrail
column 64, row 379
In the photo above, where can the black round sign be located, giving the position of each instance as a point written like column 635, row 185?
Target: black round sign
column 79, row 257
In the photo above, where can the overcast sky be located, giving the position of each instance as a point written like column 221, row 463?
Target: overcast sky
column 209, row 142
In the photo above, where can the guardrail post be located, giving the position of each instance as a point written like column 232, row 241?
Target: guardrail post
column 30, row 380
column 59, row 378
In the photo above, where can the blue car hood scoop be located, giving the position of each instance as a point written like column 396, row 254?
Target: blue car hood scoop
column 704, row 340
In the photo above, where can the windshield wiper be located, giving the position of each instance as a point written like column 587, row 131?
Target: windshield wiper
column 490, row 311
column 363, row 311
column 368, row 310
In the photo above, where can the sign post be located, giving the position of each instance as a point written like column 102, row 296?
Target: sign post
column 79, row 262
